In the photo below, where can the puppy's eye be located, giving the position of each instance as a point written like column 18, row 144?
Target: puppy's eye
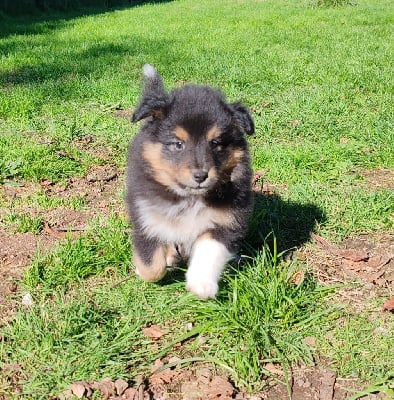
column 177, row 146
column 215, row 144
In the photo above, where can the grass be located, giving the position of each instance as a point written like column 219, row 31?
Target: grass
column 260, row 316
column 25, row 223
column 319, row 81
column 105, row 246
column 332, row 3
column 360, row 344
column 263, row 316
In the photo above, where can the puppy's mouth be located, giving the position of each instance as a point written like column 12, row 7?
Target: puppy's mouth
column 187, row 190
column 198, row 184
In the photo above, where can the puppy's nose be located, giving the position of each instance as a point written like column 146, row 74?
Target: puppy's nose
column 200, row 176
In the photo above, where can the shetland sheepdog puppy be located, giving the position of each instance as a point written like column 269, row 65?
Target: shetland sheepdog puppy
column 188, row 182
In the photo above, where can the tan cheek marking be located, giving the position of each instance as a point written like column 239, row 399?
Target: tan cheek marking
column 213, row 133
column 185, row 175
column 182, row 133
column 212, row 173
column 163, row 171
column 234, row 159
column 152, row 153
column 156, row 270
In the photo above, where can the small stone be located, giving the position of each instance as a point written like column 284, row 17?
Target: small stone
column 189, row 326
column 78, row 389
column 130, row 394
column 27, row 300
column 120, row 386
column 310, row 341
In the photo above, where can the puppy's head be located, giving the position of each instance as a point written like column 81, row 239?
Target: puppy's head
column 195, row 138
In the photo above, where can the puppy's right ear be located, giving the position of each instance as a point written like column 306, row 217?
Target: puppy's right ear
column 155, row 100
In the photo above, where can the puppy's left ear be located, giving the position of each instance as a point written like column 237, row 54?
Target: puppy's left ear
column 155, row 100
column 242, row 118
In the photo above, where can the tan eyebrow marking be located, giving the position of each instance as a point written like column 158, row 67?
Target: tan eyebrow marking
column 213, row 133
column 182, row 134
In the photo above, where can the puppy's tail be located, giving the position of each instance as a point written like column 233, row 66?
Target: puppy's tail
column 155, row 98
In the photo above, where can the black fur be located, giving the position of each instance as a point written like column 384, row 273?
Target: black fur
column 188, row 176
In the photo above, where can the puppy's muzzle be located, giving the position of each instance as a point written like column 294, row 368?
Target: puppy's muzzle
column 200, row 175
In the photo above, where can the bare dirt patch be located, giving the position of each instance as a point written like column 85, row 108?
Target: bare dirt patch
column 317, row 383
column 365, row 259
column 100, row 191
column 203, row 383
column 379, row 178
column 16, row 251
column 165, row 382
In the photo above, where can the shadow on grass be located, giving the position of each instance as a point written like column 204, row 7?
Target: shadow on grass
column 48, row 57
column 291, row 223
column 94, row 59
column 63, row 74
column 36, row 20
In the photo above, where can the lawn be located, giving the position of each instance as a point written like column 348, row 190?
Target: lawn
column 319, row 82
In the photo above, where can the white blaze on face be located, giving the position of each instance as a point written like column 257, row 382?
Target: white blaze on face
column 207, row 262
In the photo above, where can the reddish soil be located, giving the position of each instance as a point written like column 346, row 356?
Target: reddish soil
column 202, row 383
column 369, row 260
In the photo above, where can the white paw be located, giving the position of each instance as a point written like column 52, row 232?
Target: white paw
column 204, row 289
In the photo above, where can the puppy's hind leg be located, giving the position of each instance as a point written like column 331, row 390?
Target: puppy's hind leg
column 149, row 259
column 207, row 262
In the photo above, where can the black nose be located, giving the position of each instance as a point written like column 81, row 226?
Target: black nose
column 200, row 176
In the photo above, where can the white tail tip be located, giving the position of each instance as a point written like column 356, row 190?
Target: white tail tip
column 149, row 71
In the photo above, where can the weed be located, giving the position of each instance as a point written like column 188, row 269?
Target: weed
column 10, row 169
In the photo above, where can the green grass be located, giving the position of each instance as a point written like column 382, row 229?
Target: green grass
column 105, row 246
column 332, row 3
column 360, row 344
column 81, row 311
column 23, row 158
column 319, row 81
column 25, row 222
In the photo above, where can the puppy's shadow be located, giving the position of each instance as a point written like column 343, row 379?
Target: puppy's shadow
column 289, row 222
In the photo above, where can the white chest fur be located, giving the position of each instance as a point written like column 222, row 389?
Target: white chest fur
column 179, row 223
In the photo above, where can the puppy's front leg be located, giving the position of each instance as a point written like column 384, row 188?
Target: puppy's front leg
column 207, row 261
column 149, row 259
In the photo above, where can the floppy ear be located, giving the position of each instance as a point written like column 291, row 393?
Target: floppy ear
column 155, row 100
column 242, row 118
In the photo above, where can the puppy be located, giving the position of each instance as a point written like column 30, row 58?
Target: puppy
column 188, row 182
